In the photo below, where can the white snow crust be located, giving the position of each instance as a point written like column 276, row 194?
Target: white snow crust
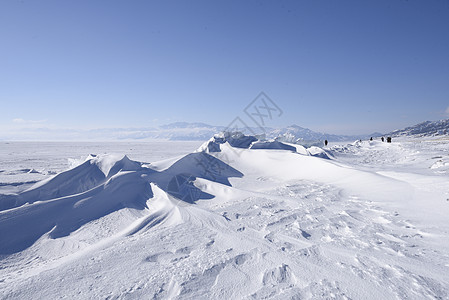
column 235, row 219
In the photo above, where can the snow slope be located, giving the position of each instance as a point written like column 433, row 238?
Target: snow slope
column 237, row 218
column 424, row 129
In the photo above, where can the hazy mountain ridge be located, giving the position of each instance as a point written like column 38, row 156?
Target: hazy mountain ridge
column 292, row 133
column 295, row 133
column 197, row 131
column 172, row 131
column 424, row 129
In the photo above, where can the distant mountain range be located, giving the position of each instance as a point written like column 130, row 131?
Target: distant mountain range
column 201, row 131
column 424, row 129
column 295, row 133
column 175, row 131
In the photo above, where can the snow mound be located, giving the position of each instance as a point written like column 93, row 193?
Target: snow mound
column 94, row 171
column 317, row 152
column 22, row 226
column 64, row 203
column 273, row 145
column 74, row 181
column 241, row 141
column 234, row 139
column 105, row 184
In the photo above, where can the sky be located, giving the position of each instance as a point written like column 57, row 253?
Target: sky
column 343, row 67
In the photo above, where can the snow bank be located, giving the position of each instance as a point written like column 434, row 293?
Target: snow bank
column 241, row 141
column 71, row 199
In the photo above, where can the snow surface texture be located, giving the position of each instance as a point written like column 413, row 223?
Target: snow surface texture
column 237, row 218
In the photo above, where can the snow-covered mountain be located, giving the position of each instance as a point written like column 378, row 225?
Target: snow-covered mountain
column 178, row 125
column 200, row 132
column 295, row 133
column 291, row 134
column 428, row 128
column 174, row 131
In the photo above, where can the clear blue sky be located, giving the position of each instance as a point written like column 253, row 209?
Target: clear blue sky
column 334, row 66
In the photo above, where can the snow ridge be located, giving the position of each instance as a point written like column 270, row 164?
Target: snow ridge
column 424, row 129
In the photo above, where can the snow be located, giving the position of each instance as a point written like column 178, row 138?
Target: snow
column 425, row 129
column 366, row 220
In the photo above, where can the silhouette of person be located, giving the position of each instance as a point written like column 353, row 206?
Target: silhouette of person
column 382, row 139
column 325, row 142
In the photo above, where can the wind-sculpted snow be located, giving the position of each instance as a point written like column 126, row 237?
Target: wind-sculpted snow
column 241, row 141
column 234, row 139
column 22, row 226
column 265, row 220
column 73, row 198
column 77, row 180
column 273, row 145
column 93, row 172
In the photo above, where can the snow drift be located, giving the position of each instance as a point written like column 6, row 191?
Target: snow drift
column 96, row 188
column 238, row 218
column 104, row 184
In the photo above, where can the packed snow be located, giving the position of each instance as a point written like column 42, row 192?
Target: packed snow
column 236, row 218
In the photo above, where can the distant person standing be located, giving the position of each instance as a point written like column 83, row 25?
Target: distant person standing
column 371, row 139
column 325, row 142
column 389, row 139
column 383, row 140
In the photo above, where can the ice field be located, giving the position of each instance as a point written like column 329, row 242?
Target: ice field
column 229, row 219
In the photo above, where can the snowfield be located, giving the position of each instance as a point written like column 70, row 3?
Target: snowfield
column 234, row 219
